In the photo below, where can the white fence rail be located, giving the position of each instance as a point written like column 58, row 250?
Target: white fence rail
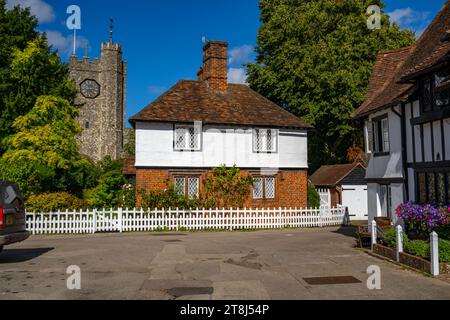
column 135, row 220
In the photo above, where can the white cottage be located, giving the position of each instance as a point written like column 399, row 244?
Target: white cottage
column 201, row 124
column 407, row 123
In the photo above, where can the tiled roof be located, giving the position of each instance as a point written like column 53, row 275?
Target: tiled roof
column 384, row 88
column 330, row 176
column 389, row 84
column 190, row 101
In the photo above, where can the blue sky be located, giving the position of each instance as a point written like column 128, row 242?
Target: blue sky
column 162, row 40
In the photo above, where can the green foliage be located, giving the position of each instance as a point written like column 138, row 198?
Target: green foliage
column 46, row 134
column 51, row 202
column 315, row 57
column 31, row 176
column 419, row 248
column 17, row 28
column 33, row 72
column 169, row 198
column 444, row 251
column 227, row 187
column 109, row 192
column 313, row 197
column 130, row 146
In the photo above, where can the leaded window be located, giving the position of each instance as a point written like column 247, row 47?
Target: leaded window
column 187, row 138
column 433, row 186
column 187, row 186
column 265, row 140
column 264, row 188
column 258, row 192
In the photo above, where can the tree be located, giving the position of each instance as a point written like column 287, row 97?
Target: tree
column 17, row 28
column 315, row 58
column 33, row 72
column 46, row 142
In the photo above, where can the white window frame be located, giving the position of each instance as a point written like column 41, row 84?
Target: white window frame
column 190, row 131
column 263, row 134
column 383, row 123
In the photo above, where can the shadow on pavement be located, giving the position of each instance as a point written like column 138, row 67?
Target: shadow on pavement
column 22, row 255
column 348, row 231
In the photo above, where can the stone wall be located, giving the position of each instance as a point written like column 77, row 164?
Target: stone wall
column 102, row 119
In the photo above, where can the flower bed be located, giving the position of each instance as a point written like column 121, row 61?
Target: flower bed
column 421, row 220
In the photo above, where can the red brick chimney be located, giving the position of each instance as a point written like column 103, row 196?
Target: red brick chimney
column 214, row 70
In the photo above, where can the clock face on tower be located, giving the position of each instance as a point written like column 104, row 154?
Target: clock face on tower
column 90, row 89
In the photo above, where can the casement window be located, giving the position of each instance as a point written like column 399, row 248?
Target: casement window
column 432, row 96
column 378, row 135
column 385, row 196
column 187, row 138
column 187, row 186
column 433, row 186
column 265, row 140
column 264, row 188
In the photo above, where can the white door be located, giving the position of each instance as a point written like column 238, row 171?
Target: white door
column 355, row 198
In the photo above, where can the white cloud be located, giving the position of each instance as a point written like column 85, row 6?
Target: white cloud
column 409, row 18
column 241, row 54
column 42, row 10
column 237, row 75
column 64, row 44
column 156, row 89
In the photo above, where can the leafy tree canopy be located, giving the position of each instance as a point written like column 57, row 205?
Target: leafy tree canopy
column 315, row 57
column 46, row 134
column 33, row 72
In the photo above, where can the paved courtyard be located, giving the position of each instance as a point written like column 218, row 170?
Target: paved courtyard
column 238, row 265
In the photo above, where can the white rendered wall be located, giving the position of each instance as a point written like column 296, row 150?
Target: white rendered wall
column 389, row 166
column 221, row 145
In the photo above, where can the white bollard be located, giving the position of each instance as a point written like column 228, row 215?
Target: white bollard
column 399, row 230
column 374, row 233
column 434, row 247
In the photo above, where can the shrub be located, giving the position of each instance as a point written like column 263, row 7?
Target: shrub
column 50, row 202
column 169, row 198
column 418, row 248
column 390, row 238
column 227, row 187
column 444, row 251
column 313, row 197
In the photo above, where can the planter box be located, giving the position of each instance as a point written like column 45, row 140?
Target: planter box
column 409, row 260
column 385, row 251
column 415, row 262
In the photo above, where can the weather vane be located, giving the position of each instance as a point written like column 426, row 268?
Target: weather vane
column 111, row 28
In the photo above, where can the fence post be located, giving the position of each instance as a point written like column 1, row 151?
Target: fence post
column 119, row 215
column 374, row 233
column 94, row 221
column 434, row 247
column 399, row 233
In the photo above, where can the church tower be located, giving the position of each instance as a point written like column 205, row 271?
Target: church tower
column 101, row 85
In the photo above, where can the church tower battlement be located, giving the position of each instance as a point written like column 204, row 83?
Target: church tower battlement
column 101, row 85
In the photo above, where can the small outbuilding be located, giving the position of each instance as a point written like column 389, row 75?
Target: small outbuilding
column 343, row 185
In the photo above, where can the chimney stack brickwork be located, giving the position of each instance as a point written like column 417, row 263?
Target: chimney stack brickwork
column 214, row 70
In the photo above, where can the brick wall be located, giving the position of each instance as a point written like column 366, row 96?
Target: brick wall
column 291, row 187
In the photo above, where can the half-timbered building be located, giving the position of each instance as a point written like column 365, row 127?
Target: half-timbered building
column 407, row 122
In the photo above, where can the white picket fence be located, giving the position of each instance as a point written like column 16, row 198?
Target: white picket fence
column 135, row 220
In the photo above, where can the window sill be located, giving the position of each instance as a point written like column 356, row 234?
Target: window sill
column 381, row 154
